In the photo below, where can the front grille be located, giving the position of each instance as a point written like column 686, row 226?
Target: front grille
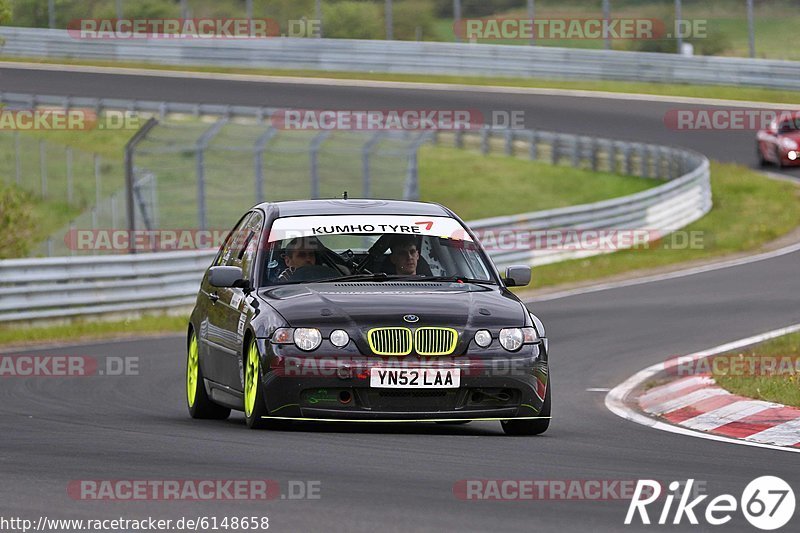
column 390, row 341
column 435, row 341
column 426, row 341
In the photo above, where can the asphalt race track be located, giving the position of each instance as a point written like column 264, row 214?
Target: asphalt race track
column 401, row 477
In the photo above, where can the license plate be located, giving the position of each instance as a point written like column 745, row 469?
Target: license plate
column 415, row 378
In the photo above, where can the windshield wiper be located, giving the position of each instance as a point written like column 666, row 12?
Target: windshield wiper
column 459, row 279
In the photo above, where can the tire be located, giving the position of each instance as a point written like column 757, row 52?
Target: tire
column 778, row 159
column 761, row 161
column 198, row 402
column 536, row 426
column 254, row 406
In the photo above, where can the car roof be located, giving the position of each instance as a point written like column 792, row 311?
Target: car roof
column 354, row 206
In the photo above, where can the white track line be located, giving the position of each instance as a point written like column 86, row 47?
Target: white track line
column 616, row 400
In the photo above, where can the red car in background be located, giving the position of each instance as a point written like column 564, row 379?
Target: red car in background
column 780, row 142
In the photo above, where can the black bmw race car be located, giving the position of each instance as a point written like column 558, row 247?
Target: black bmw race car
column 364, row 310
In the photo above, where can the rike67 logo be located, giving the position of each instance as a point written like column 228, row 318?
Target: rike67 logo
column 767, row 502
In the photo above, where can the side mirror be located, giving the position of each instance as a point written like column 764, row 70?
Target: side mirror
column 517, row 276
column 227, row 276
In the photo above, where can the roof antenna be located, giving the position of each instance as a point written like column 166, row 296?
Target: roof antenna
column 344, row 196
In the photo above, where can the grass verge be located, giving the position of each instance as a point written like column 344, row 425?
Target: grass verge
column 749, row 211
column 680, row 90
column 85, row 329
column 769, row 371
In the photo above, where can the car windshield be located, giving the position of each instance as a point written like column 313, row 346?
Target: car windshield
column 386, row 247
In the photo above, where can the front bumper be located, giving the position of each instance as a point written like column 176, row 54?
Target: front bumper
column 324, row 388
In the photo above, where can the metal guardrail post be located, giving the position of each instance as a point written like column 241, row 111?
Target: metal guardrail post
column 130, row 148
column 258, row 160
column 509, row 142
column 459, row 138
column 485, row 133
column 533, row 150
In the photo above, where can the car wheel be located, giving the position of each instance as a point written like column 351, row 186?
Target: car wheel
column 761, row 161
column 536, row 426
column 779, row 159
column 254, row 406
column 198, row 402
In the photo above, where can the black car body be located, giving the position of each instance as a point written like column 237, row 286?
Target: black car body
column 342, row 339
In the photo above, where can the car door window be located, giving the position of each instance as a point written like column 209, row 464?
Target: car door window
column 224, row 255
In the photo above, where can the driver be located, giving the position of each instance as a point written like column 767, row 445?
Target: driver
column 300, row 252
column 405, row 254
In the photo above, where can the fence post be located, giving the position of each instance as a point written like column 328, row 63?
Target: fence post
column 258, row 160
column 130, row 148
column 70, row 191
column 97, row 184
column 200, row 149
column 366, row 181
column 314, row 153
column 17, row 159
column 43, row 167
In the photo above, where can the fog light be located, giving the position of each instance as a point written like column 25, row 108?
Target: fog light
column 792, row 155
column 339, row 338
column 483, row 338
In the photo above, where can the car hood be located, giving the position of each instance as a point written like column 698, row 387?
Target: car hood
column 795, row 136
column 462, row 306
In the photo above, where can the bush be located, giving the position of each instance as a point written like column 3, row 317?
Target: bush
column 353, row 20
column 412, row 14
column 5, row 12
column 476, row 8
column 16, row 222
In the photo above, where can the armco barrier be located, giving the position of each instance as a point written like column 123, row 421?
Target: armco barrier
column 408, row 57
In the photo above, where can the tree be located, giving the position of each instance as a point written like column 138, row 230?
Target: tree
column 5, row 12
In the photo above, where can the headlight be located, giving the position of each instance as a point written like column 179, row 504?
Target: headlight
column 512, row 339
column 339, row 338
column 483, row 338
column 789, row 144
column 307, row 339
